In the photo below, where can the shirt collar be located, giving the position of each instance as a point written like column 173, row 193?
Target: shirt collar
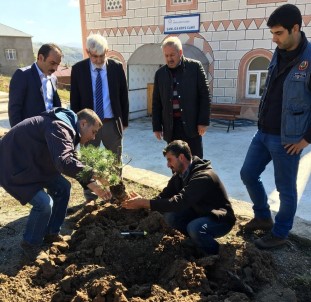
column 41, row 74
column 186, row 173
column 93, row 67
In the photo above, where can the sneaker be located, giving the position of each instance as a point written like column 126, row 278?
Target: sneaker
column 270, row 241
column 50, row 238
column 31, row 251
column 257, row 224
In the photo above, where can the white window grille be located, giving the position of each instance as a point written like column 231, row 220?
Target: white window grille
column 256, row 77
column 10, row 54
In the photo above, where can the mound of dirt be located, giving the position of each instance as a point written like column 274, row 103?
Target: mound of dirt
column 97, row 263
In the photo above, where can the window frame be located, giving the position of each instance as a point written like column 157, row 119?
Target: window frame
column 117, row 13
column 10, row 54
column 171, row 7
column 258, row 74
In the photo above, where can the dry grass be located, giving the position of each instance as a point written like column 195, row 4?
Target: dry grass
column 4, row 83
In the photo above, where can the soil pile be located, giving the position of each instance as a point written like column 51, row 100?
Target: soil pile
column 97, row 263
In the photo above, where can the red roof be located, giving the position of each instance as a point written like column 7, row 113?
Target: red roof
column 63, row 71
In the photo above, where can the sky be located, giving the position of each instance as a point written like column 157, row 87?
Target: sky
column 56, row 21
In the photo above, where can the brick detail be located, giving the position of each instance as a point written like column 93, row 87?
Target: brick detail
column 253, row 2
column 174, row 5
column 243, row 69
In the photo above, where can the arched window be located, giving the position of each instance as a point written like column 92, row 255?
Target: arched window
column 256, row 77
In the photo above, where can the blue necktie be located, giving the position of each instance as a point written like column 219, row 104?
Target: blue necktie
column 99, row 95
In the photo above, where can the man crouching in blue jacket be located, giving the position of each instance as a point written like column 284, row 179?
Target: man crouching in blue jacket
column 33, row 155
column 195, row 201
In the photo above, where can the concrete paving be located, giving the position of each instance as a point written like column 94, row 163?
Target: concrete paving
column 144, row 163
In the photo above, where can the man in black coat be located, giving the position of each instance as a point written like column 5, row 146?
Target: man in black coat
column 110, row 102
column 195, row 201
column 33, row 156
column 33, row 89
column 181, row 100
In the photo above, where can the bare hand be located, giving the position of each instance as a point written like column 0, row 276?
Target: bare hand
column 202, row 129
column 102, row 180
column 136, row 203
column 104, row 194
column 133, row 195
column 296, row 148
column 158, row 134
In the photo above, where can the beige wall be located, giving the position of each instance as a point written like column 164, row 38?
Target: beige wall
column 232, row 33
column 24, row 53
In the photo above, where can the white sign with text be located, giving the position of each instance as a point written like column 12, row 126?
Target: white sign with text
column 182, row 24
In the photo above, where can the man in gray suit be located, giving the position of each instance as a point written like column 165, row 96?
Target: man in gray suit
column 33, row 88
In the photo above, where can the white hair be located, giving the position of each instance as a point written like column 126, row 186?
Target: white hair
column 96, row 43
column 173, row 42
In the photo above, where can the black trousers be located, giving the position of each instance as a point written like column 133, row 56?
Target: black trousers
column 195, row 143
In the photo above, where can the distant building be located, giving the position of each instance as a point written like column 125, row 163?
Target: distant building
column 231, row 39
column 63, row 74
column 15, row 50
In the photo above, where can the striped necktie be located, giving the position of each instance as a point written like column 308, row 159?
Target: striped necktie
column 99, row 95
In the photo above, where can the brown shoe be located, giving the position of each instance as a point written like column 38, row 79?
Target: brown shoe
column 257, row 224
column 269, row 241
column 50, row 238
column 31, row 251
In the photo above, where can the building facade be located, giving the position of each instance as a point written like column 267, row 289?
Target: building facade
column 15, row 50
column 231, row 40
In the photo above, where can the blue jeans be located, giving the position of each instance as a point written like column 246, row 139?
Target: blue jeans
column 48, row 210
column 264, row 148
column 201, row 230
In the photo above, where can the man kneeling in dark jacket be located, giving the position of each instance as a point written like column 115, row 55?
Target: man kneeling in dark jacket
column 195, row 201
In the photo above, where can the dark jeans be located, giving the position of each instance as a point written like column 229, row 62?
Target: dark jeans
column 202, row 230
column 264, row 148
column 195, row 143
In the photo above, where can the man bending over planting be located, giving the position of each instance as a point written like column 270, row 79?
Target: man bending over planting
column 33, row 156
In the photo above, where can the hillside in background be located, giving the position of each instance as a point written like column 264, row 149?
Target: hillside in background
column 71, row 54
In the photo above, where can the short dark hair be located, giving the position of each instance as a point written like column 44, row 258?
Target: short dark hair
column 46, row 48
column 287, row 16
column 178, row 147
column 90, row 116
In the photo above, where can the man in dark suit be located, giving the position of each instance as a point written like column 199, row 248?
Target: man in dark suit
column 33, row 88
column 99, row 83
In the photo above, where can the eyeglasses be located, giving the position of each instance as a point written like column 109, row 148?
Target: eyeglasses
column 93, row 56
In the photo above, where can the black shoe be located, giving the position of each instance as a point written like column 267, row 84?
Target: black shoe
column 270, row 241
column 70, row 210
column 257, row 224
column 50, row 238
column 31, row 251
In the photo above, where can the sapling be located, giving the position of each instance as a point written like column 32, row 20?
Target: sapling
column 106, row 166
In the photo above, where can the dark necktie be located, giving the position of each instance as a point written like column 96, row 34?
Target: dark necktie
column 99, row 95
